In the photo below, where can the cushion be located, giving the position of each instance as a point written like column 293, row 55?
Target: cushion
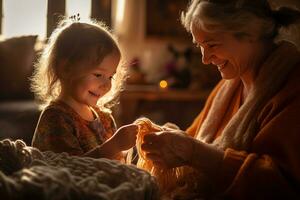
column 16, row 66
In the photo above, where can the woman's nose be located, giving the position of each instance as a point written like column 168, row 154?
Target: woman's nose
column 206, row 56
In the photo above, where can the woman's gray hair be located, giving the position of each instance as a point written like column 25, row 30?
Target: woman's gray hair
column 241, row 17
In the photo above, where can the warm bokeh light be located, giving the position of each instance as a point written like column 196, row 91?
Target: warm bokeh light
column 163, row 84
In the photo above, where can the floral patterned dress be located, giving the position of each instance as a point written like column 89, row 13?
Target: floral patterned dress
column 61, row 129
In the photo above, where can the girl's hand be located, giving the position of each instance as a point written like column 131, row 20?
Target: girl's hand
column 168, row 149
column 125, row 137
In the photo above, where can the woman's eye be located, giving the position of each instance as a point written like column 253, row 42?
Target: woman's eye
column 212, row 45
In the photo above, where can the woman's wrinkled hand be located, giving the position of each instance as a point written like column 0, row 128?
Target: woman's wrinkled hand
column 125, row 137
column 168, row 149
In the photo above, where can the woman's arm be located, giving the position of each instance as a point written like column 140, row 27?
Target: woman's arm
column 234, row 174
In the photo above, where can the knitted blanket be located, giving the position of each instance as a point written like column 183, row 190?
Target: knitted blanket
column 27, row 173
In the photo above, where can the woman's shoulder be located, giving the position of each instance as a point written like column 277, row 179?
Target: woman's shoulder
column 289, row 93
column 292, row 85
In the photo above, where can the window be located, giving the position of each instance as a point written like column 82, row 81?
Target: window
column 24, row 17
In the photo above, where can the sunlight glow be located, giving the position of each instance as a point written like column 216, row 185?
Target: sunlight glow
column 24, row 18
column 120, row 11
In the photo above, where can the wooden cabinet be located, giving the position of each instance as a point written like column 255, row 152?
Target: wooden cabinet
column 159, row 105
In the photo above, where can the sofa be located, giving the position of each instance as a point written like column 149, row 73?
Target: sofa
column 18, row 111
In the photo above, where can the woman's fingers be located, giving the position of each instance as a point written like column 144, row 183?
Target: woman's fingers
column 152, row 137
column 150, row 147
column 156, row 160
column 154, row 157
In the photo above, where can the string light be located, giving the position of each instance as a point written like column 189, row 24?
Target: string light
column 163, row 84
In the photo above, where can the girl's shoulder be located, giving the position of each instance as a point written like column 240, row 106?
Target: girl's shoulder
column 58, row 110
column 55, row 117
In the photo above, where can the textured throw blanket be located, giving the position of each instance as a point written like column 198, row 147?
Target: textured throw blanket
column 27, row 173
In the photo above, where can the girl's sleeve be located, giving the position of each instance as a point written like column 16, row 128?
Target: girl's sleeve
column 272, row 169
column 56, row 132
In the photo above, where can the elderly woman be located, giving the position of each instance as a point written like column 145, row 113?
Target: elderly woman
column 246, row 141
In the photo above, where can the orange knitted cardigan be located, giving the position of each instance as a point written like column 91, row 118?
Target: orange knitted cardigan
column 261, row 139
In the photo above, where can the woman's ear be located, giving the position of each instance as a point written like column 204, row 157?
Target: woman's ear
column 245, row 37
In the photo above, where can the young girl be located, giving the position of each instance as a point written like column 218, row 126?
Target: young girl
column 76, row 78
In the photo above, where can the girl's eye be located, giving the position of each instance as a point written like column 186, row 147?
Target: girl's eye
column 97, row 75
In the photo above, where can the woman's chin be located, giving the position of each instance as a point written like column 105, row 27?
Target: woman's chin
column 227, row 76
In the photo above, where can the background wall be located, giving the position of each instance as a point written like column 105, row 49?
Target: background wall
column 152, row 51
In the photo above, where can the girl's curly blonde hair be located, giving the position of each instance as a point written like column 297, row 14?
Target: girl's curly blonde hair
column 72, row 42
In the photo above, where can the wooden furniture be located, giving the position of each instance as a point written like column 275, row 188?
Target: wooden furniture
column 160, row 105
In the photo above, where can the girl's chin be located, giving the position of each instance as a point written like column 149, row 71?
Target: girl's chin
column 92, row 103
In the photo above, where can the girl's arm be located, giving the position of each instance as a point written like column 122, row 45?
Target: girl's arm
column 123, row 139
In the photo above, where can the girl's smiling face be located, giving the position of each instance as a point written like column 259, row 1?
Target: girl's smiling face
column 89, row 87
column 233, row 56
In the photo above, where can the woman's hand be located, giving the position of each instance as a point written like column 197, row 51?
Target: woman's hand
column 125, row 137
column 168, row 149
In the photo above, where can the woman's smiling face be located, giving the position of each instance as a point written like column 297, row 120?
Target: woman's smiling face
column 231, row 55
